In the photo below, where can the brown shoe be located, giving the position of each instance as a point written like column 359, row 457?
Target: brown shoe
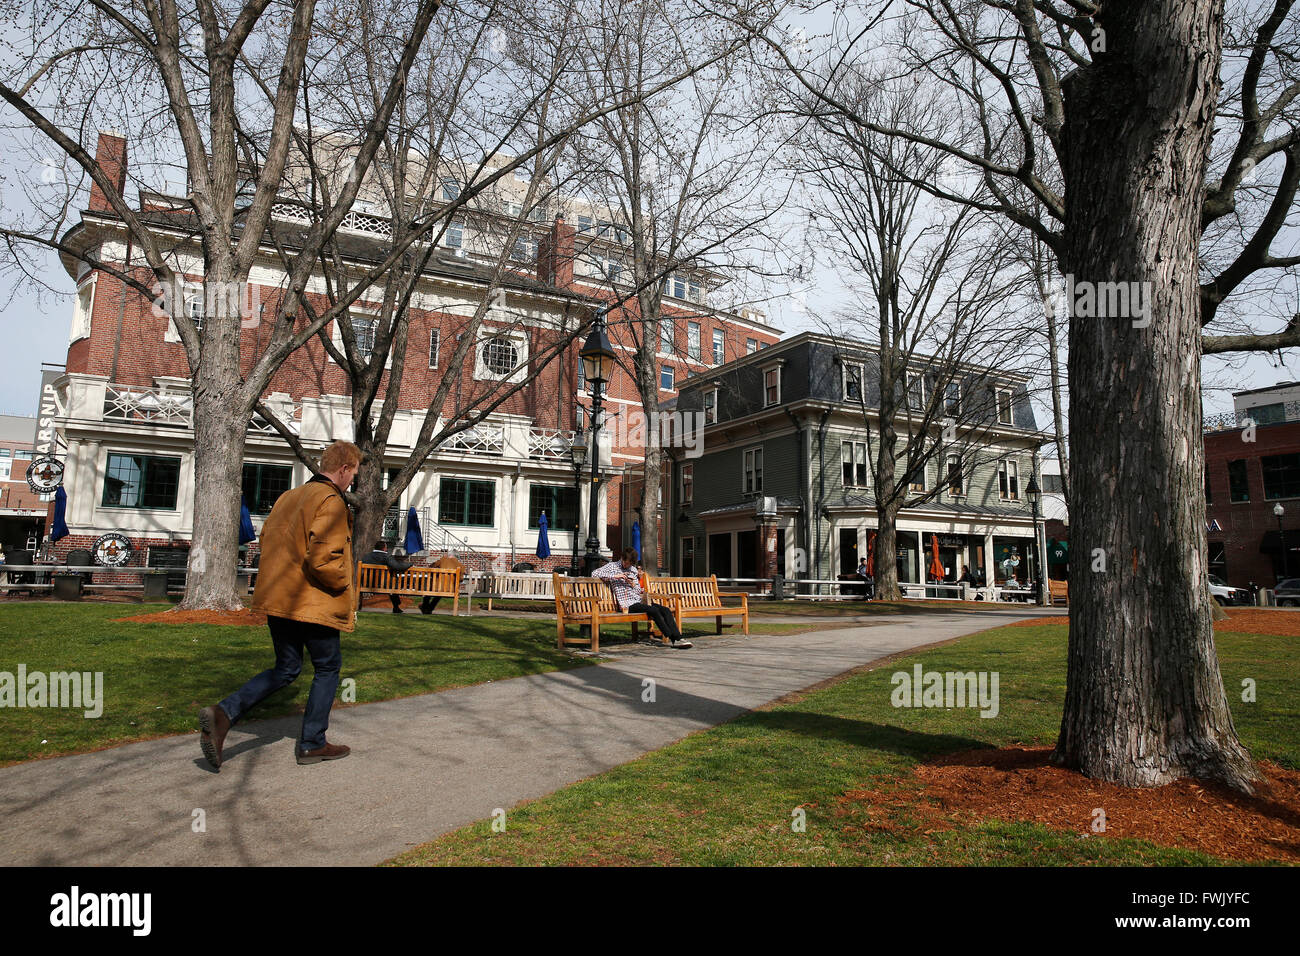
column 213, row 727
column 328, row 752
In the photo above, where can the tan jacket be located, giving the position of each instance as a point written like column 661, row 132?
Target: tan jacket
column 306, row 569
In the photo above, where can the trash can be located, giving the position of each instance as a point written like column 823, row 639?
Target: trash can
column 155, row 586
column 67, row 586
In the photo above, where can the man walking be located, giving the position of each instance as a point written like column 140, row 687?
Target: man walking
column 305, row 585
column 625, row 580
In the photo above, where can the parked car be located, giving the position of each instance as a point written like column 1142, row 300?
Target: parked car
column 1287, row 593
column 1224, row 593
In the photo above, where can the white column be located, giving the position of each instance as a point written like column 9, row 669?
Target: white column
column 989, row 572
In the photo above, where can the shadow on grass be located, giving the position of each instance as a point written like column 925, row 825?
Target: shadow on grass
column 860, row 733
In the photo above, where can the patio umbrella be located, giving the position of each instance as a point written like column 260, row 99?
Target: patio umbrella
column 936, row 565
column 871, row 555
column 414, row 542
column 543, row 542
column 246, row 532
column 636, row 539
column 59, row 527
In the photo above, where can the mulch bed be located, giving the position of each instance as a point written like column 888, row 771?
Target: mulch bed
column 244, row 618
column 1014, row 784
column 1241, row 620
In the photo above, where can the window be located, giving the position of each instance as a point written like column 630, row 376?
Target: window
column 952, row 399
column 579, row 418
column 853, row 382
column 1052, row 485
column 666, row 336
column 753, row 477
column 194, row 311
column 772, row 386
column 500, row 357
column 363, row 330
column 1268, row 414
column 1004, row 406
column 915, row 400
column 454, row 237
column 693, row 340
column 854, row 455
column 1008, row 480
column 525, row 250
column 666, row 378
column 465, row 502
column 262, row 484
column 1281, row 476
column 450, row 189
column 956, row 487
column 694, row 291
column 1238, row 484
column 710, row 406
column 916, row 480
column 688, row 557
column 4, row 464
column 559, row 502
column 582, row 375
column 718, row 350
column 435, row 341
column 141, row 481
column 688, row 482
column 584, row 224
column 751, row 346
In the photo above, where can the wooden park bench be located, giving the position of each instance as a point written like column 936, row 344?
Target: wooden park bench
column 696, row 597
column 413, row 582
column 1059, row 589
column 588, row 602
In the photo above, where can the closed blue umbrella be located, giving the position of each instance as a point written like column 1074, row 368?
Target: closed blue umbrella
column 246, row 532
column 543, row 543
column 414, row 540
column 59, row 528
column 636, row 539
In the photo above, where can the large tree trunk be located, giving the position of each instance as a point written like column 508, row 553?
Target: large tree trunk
column 1144, row 701
column 220, row 423
column 887, row 506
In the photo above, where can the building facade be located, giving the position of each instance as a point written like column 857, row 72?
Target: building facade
column 125, row 409
column 784, row 484
column 24, row 514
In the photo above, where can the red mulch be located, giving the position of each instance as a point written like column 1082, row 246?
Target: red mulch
column 1242, row 620
column 1014, row 784
column 244, row 618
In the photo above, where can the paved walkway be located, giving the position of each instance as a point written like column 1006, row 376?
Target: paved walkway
column 420, row 766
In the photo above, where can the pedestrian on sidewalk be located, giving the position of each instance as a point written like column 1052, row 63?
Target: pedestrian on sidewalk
column 624, row 578
column 307, row 588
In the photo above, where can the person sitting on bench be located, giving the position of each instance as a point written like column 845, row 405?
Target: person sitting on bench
column 624, row 580
column 395, row 562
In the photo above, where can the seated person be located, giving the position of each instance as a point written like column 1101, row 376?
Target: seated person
column 446, row 561
column 624, row 579
column 395, row 562
column 868, row 582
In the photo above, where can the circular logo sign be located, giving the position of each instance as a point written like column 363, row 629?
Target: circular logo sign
column 112, row 550
column 44, row 475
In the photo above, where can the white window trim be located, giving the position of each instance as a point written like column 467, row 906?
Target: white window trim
column 844, row 381
column 705, row 409
column 854, row 445
column 1004, row 468
column 946, row 412
column 337, row 337
column 961, row 476
column 672, row 375
column 688, row 496
column 517, row 338
column 908, row 378
column 435, row 350
column 719, row 344
column 697, row 354
column 81, row 318
column 765, row 369
column 1011, row 408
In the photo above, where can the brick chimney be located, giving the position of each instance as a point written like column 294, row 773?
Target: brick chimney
column 110, row 154
column 555, row 255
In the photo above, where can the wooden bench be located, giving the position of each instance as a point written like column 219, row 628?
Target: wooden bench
column 1058, row 589
column 508, row 585
column 589, row 602
column 413, row 582
column 696, row 597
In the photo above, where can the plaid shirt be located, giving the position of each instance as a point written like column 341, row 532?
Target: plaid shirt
column 625, row 594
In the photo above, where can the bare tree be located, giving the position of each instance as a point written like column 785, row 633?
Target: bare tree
column 934, row 292
column 1163, row 148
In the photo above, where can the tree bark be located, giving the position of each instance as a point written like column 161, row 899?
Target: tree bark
column 1144, row 702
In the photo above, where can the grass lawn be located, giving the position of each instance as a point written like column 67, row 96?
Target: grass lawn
column 725, row 796
column 157, row 675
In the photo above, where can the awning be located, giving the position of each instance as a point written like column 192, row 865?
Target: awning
column 1272, row 544
column 1058, row 552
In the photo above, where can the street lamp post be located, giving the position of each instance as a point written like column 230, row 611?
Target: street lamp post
column 1278, row 512
column 1033, row 493
column 578, row 455
column 598, row 363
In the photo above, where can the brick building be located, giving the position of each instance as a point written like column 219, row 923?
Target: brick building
column 125, row 405
column 24, row 515
column 1252, row 466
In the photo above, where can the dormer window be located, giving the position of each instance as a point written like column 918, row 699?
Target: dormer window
column 1004, row 406
column 710, row 406
column 852, row 382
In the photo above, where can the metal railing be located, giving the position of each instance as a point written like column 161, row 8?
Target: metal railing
column 160, row 406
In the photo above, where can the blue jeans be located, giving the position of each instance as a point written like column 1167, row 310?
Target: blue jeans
column 290, row 637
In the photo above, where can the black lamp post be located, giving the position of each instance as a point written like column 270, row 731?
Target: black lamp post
column 1033, row 493
column 598, row 363
column 578, row 454
column 1278, row 512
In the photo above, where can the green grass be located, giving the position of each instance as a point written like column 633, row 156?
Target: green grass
column 725, row 796
column 157, row 675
